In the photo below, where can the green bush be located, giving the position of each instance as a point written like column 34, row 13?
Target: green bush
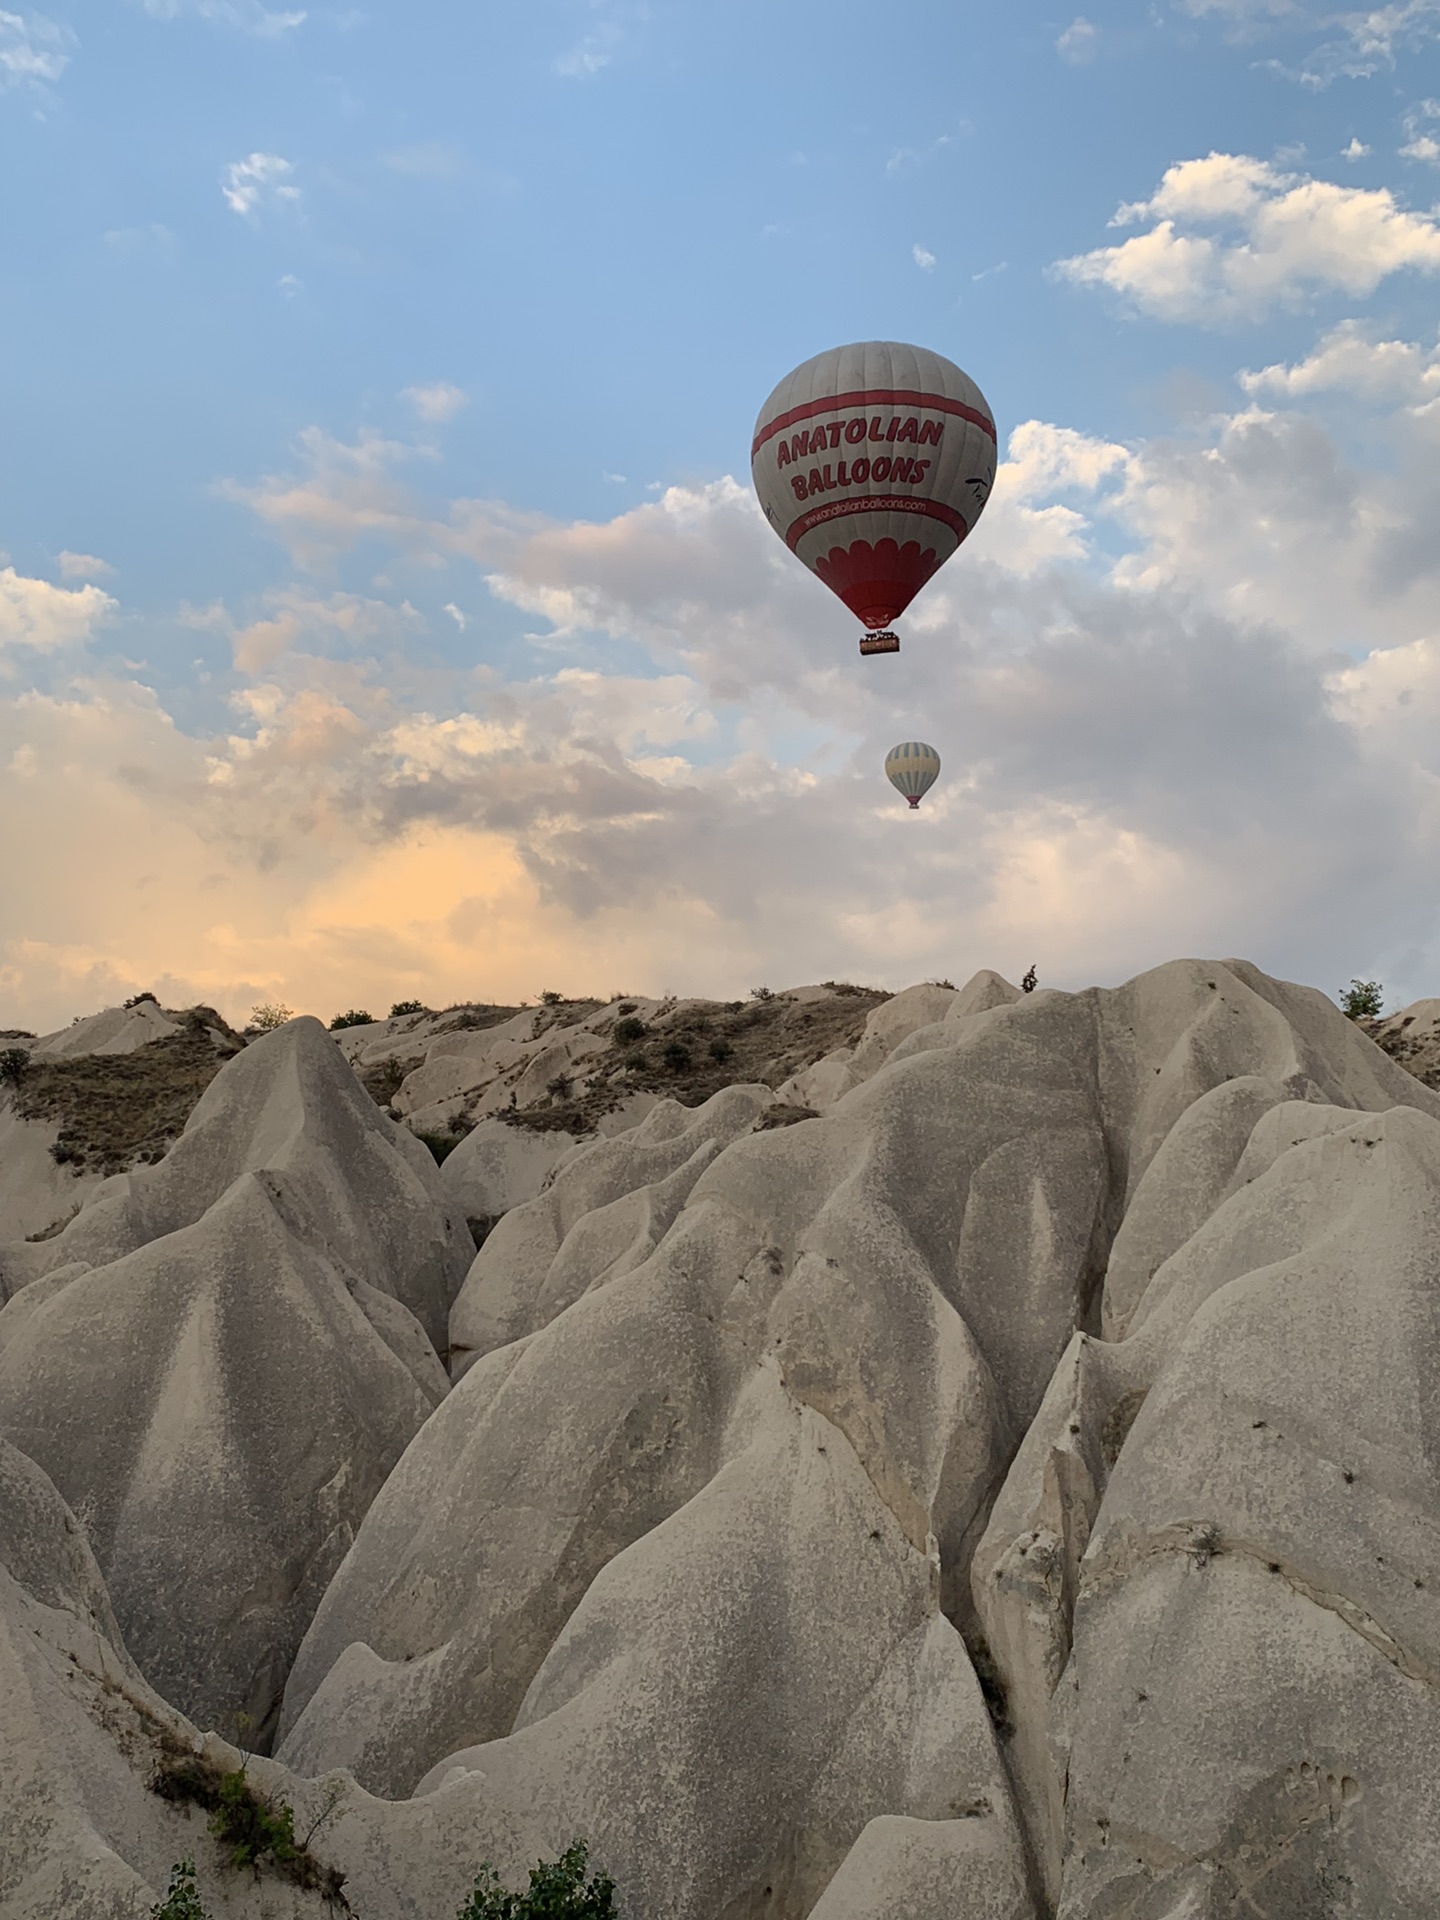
column 676, row 1056
column 720, row 1048
column 356, row 1017
column 182, row 1901
column 1362, row 999
column 14, row 1063
column 407, row 1006
column 549, row 998
column 269, row 1015
column 251, row 1826
column 628, row 1031
column 136, row 998
column 558, row 1890
column 440, row 1144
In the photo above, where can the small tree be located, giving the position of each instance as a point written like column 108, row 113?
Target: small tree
column 356, row 1017
column 182, row 1901
column 550, row 998
column 407, row 1006
column 269, row 1015
column 1362, row 999
column 558, row 1890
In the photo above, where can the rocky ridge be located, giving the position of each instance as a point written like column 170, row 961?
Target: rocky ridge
column 1010, row 1489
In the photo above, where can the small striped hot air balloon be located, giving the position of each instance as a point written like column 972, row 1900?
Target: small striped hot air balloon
column 873, row 462
column 912, row 768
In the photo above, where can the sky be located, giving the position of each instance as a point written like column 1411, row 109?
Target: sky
column 384, row 609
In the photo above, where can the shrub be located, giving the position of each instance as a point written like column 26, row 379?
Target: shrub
column 252, row 1826
column 720, row 1048
column 136, row 998
column 356, row 1017
column 407, row 1006
column 1362, row 999
column 182, row 1901
column 14, row 1064
column 269, row 1015
column 559, row 1087
column 627, row 1031
column 558, row 1890
column 634, row 1061
column 761, row 993
column 549, row 998
column 440, row 1144
column 676, row 1056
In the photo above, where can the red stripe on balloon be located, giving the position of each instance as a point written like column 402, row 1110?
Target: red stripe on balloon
column 874, row 503
column 876, row 397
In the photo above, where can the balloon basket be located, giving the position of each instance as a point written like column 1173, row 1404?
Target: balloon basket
column 879, row 643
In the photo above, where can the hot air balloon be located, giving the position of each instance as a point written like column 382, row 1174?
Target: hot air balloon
column 873, row 463
column 912, row 768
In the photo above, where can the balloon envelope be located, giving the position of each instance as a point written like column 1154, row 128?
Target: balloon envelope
column 912, row 768
column 872, row 463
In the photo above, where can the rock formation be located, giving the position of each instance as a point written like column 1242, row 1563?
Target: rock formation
column 1011, row 1491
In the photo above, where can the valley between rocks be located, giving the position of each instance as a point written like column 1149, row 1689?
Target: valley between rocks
column 971, row 1456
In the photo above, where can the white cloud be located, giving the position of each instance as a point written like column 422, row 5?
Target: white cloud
column 248, row 15
column 1357, row 150
column 455, row 614
column 1077, row 43
column 82, row 566
column 35, row 614
column 1347, row 360
column 290, row 285
column 1356, row 44
column 257, row 180
column 1233, row 238
column 923, row 258
column 33, row 49
column 437, row 404
column 1420, row 145
column 1227, row 740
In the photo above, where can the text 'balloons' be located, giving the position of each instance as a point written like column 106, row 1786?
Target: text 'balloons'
column 873, row 462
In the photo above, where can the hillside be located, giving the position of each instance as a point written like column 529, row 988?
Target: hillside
column 957, row 1455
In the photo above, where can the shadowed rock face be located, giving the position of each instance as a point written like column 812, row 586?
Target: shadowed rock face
column 1099, row 1331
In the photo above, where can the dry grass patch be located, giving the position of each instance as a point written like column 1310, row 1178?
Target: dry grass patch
column 117, row 1110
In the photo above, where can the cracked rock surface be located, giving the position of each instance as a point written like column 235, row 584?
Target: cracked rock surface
column 1011, row 1492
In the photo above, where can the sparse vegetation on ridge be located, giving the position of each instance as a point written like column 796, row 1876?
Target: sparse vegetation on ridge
column 118, row 1110
column 253, row 1829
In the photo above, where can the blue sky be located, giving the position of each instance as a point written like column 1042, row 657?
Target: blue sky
column 383, row 336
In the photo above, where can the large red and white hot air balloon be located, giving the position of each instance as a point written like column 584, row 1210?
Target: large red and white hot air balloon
column 873, row 463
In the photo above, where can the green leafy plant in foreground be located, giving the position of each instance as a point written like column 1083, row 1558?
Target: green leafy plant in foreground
column 558, row 1890
column 1362, row 999
column 182, row 1900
